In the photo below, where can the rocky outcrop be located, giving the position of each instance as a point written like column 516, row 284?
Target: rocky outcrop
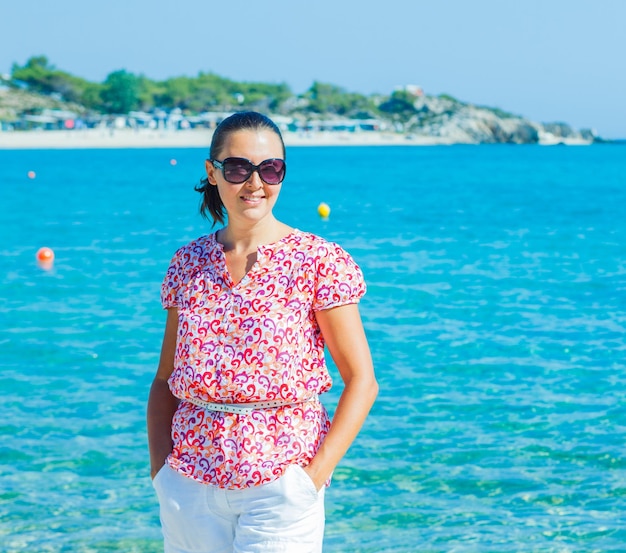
column 460, row 123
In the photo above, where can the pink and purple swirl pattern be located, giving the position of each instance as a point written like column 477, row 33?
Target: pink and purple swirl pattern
column 257, row 340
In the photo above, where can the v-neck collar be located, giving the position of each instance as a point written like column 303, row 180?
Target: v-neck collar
column 264, row 252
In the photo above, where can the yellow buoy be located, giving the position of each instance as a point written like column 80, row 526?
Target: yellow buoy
column 323, row 210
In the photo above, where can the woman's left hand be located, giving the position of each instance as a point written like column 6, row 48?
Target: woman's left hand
column 314, row 478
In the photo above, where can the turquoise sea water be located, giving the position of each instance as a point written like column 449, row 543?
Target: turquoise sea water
column 496, row 313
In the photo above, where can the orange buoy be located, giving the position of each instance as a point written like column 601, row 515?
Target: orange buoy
column 173, row 162
column 45, row 255
column 32, row 174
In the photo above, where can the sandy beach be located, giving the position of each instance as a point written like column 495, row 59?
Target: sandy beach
column 128, row 138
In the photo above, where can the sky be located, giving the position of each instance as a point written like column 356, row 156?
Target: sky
column 547, row 60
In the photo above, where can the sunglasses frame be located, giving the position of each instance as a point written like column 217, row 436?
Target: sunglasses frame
column 220, row 165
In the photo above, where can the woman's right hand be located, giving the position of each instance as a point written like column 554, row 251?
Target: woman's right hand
column 155, row 470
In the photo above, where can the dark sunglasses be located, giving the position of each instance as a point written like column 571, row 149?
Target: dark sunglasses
column 238, row 170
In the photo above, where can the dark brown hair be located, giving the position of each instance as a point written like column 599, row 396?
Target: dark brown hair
column 211, row 206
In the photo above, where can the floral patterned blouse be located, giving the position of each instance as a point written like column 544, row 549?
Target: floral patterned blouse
column 257, row 340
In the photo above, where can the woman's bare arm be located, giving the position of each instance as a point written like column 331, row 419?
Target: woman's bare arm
column 161, row 403
column 345, row 337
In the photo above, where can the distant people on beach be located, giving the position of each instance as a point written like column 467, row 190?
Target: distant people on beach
column 241, row 448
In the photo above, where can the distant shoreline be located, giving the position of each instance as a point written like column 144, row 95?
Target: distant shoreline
column 148, row 138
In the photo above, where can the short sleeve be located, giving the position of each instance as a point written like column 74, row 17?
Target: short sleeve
column 339, row 279
column 172, row 282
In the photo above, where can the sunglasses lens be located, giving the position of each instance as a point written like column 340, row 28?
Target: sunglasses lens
column 237, row 170
column 272, row 171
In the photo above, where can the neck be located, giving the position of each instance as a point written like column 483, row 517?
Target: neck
column 241, row 237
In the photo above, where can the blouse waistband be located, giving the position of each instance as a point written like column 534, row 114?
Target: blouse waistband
column 246, row 408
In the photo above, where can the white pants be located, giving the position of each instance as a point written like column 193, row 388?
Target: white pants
column 286, row 515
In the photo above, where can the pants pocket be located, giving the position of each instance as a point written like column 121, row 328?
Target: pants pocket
column 299, row 481
column 305, row 479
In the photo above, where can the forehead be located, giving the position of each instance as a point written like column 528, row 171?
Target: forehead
column 255, row 145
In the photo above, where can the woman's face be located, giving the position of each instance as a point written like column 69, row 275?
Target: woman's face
column 253, row 200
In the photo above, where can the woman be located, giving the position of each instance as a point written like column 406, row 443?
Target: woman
column 241, row 449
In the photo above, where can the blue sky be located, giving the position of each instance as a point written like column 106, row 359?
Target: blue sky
column 548, row 60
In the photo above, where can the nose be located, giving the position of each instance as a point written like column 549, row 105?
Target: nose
column 255, row 179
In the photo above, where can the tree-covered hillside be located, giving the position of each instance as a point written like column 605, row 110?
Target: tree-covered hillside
column 123, row 91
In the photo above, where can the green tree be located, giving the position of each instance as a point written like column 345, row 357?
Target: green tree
column 213, row 91
column 91, row 96
column 120, row 93
column 42, row 77
column 35, row 73
column 330, row 99
column 400, row 105
column 322, row 97
column 173, row 93
column 269, row 96
column 149, row 93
